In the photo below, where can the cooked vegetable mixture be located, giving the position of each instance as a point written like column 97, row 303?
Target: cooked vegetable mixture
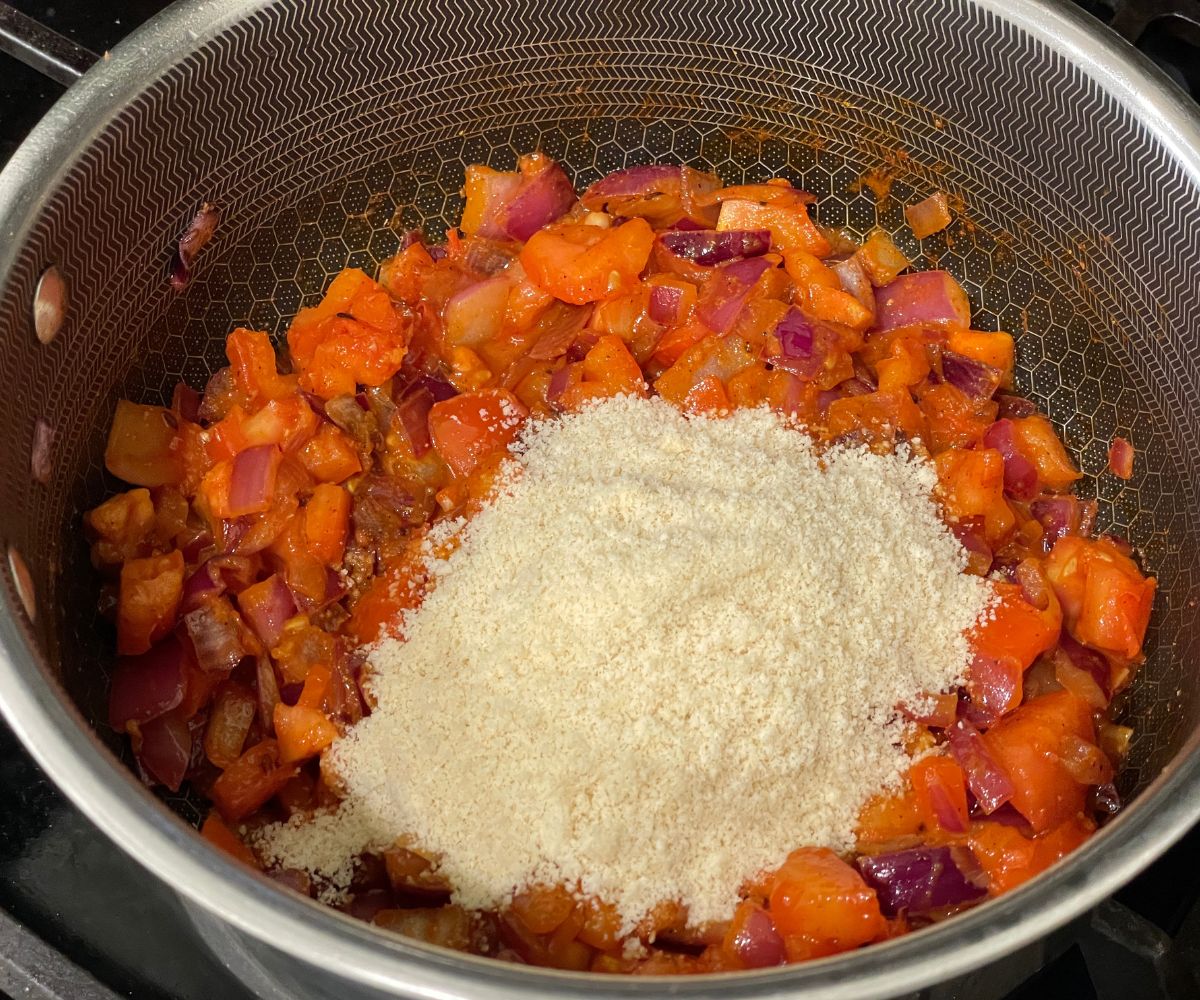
column 279, row 526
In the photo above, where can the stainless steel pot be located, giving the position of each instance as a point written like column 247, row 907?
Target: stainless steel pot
column 322, row 127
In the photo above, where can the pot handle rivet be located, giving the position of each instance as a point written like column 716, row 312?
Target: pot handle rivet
column 49, row 304
column 22, row 582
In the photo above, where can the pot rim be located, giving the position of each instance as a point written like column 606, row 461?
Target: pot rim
column 63, row 743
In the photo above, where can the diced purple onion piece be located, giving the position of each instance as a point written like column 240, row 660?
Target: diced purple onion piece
column 853, row 277
column 144, row 687
column 986, row 780
column 1015, row 407
column 1058, row 516
column 204, row 583
column 413, row 411
column 709, row 247
column 923, row 879
column 796, row 335
column 165, row 749
column 199, row 231
column 1088, row 659
column 216, row 633
column 664, row 304
column 972, row 377
column 641, row 181
column 252, row 482
column 273, row 605
column 922, row 298
column 758, row 943
column 542, row 198
column 1020, row 474
column 439, row 389
column 185, row 401
column 558, row 384
column 726, row 292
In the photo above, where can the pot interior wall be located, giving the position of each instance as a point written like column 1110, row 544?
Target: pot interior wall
column 324, row 131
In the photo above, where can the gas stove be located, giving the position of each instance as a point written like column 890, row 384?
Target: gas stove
column 79, row 920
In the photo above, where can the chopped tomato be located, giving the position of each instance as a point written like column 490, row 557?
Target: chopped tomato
column 994, row 349
column 1037, row 440
column 398, row 587
column 355, row 336
column 578, row 263
column 326, row 522
column 1012, row 627
column 252, row 364
column 1029, row 744
column 1105, row 598
column 888, row 818
column 940, row 788
column 141, row 445
column 707, row 396
column 250, row 781
column 472, row 425
column 822, row 906
column 971, row 484
column 219, row 835
column 149, row 596
column 608, row 370
column 330, row 456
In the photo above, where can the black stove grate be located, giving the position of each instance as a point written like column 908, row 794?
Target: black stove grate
column 80, row 921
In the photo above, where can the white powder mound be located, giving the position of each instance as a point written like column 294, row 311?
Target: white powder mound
column 668, row 654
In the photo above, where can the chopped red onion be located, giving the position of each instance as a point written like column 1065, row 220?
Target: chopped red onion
column 558, row 384
column 853, row 277
column 200, row 586
column 664, row 304
column 796, row 335
column 640, row 182
column 1106, row 799
column 267, row 688
column 165, row 749
column 1058, row 516
column 267, row 607
column 923, row 298
column 923, row 879
column 438, row 388
column 216, row 631
column 489, row 257
column 185, row 402
column 1020, row 474
column 252, row 484
column 557, row 329
column 726, row 293
column 709, row 247
column 542, row 197
column 144, row 687
column 1087, row 660
column 948, row 816
column 973, row 540
column 501, row 188
column 995, row 688
column 986, row 780
column 972, row 377
column 41, row 467
column 757, row 943
column 199, row 231
column 1015, row 407
column 413, row 411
